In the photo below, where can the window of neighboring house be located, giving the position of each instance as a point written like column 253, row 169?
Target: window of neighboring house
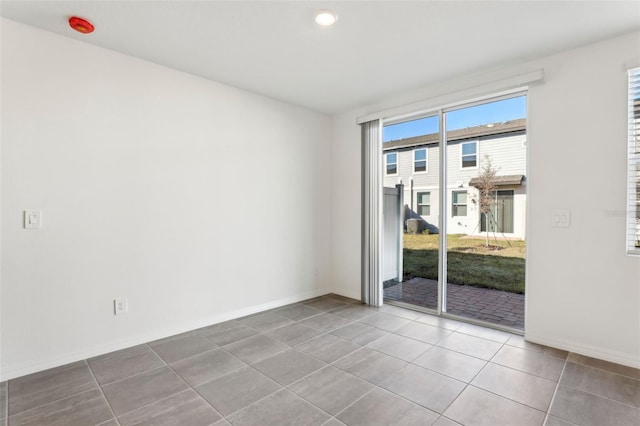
column 469, row 155
column 392, row 163
column 459, row 203
column 633, row 172
column 424, row 203
column 420, row 160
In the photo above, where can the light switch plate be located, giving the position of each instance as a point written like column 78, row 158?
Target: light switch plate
column 32, row 219
column 561, row 219
column 120, row 306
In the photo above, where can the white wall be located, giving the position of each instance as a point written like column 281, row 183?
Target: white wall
column 583, row 292
column 142, row 174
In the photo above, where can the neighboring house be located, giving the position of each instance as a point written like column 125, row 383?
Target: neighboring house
column 414, row 163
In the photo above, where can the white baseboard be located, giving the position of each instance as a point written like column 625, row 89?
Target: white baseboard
column 23, row 369
column 350, row 295
column 630, row 360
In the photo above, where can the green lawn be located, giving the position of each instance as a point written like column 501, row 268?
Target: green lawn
column 501, row 266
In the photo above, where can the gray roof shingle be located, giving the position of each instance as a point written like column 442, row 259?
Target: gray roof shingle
column 453, row 135
column 507, row 180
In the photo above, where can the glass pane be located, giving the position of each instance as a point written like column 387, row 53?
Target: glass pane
column 485, row 246
column 489, row 113
column 409, row 129
column 392, row 158
column 392, row 169
column 504, row 209
column 459, row 197
column 416, row 145
column 468, row 148
column 459, row 210
column 469, row 161
column 424, row 197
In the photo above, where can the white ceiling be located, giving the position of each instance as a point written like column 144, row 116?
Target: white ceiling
column 375, row 50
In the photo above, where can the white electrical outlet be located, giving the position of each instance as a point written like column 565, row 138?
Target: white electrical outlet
column 120, row 306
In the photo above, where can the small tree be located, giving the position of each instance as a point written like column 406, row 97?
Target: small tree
column 486, row 184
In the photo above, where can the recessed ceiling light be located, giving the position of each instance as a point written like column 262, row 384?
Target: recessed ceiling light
column 326, row 17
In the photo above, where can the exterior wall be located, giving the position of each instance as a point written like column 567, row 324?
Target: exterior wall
column 468, row 224
column 508, row 156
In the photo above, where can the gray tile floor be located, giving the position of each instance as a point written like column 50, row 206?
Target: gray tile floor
column 330, row 361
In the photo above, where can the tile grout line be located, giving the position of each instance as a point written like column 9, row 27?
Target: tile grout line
column 411, row 363
column 171, row 368
column 603, row 397
column 507, row 398
column 108, row 421
column 363, row 396
column 378, row 386
column 327, row 364
column 85, row 361
column 310, row 374
column 259, row 332
column 95, row 379
column 47, row 403
column 6, row 404
column 525, row 372
column 533, row 351
column 189, row 387
column 415, row 320
column 159, row 400
column 555, row 391
column 602, row 369
column 135, row 375
column 324, row 333
column 248, row 405
column 194, row 355
column 467, row 384
column 310, row 403
column 248, row 366
column 340, row 370
column 337, row 359
column 490, row 361
column 164, row 364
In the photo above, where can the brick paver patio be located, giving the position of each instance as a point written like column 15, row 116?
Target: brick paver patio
column 494, row 306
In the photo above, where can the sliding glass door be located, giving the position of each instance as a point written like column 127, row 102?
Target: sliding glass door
column 464, row 218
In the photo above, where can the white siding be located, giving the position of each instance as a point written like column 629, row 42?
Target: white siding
column 508, row 156
column 433, row 218
column 463, row 224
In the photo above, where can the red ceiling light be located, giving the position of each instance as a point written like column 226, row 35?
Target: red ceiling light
column 81, row 25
